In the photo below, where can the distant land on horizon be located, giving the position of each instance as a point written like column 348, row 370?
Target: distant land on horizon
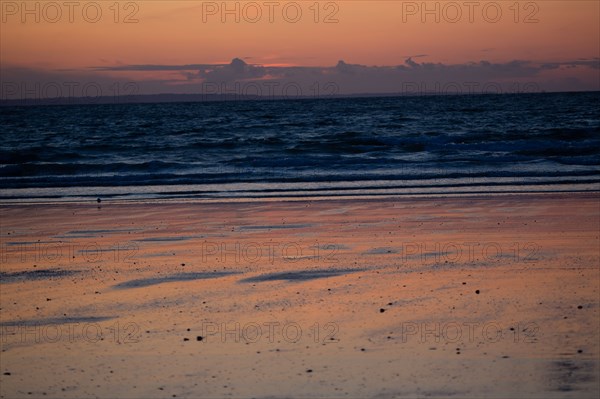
column 199, row 97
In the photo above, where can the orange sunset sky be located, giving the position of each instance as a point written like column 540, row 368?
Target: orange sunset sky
column 95, row 39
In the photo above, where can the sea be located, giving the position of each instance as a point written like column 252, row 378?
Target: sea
column 372, row 147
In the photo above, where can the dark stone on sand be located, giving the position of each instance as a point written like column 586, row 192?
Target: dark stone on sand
column 579, row 307
column 579, row 351
column 381, row 310
column 199, row 338
column 7, row 373
column 477, row 292
column 186, row 339
column 309, row 371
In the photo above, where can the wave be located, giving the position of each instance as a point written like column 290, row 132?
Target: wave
column 523, row 137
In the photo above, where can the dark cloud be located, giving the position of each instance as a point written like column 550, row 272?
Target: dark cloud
column 590, row 63
column 343, row 78
column 411, row 63
column 237, row 69
column 152, row 67
column 342, row 67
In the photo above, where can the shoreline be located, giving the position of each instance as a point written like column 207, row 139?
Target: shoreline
column 275, row 199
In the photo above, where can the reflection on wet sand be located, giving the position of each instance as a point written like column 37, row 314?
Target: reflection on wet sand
column 414, row 297
column 572, row 375
column 8, row 277
column 302, row 275
column 145, row 282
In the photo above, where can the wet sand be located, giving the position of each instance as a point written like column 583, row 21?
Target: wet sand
column 492, row 296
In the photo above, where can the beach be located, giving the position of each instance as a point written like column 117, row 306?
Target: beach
column 400, row 296
column 300, row 199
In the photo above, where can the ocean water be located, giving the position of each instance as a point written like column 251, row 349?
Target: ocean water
column 319, row 148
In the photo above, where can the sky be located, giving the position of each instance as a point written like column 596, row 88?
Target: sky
column 304, row 47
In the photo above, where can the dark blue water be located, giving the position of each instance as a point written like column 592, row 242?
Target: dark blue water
column 316, row 148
